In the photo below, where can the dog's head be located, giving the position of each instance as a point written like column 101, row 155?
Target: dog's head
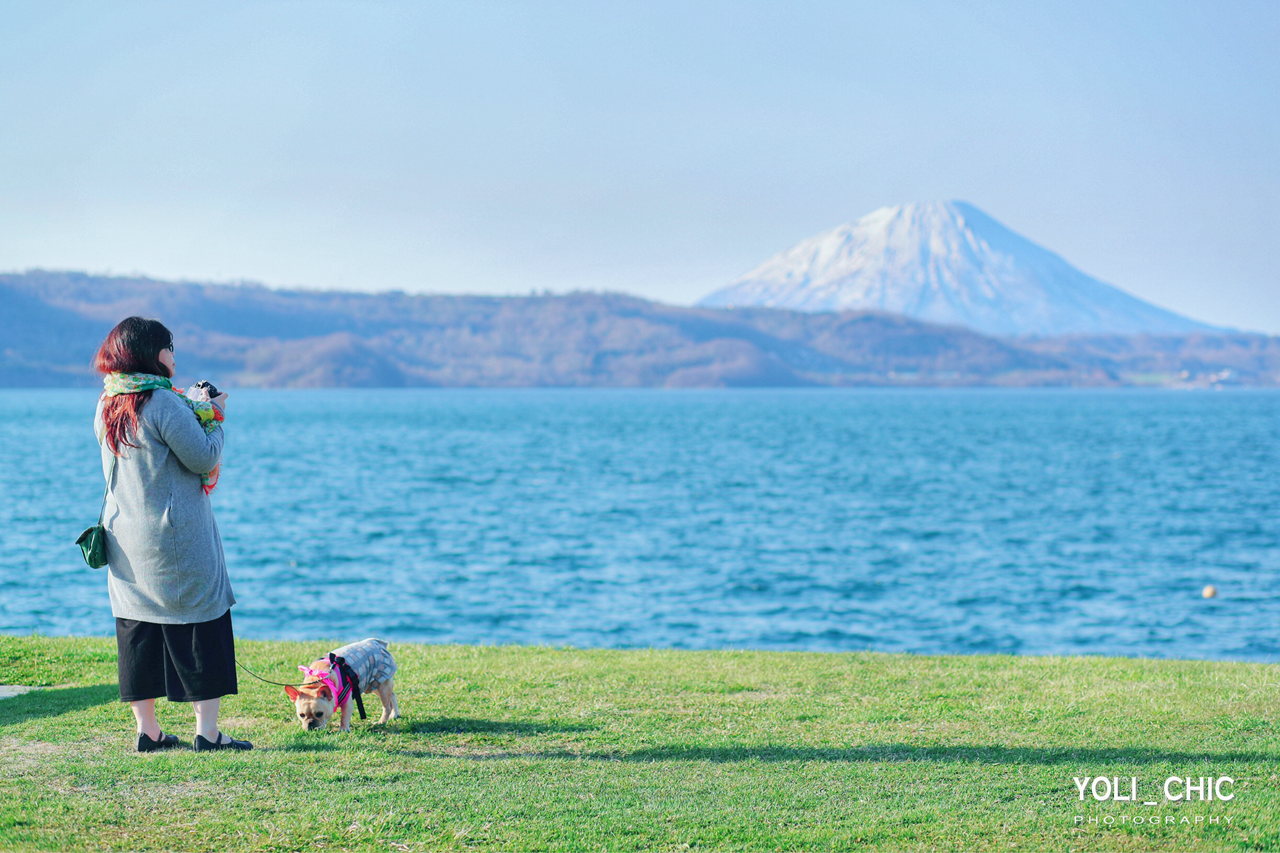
column 314, row 704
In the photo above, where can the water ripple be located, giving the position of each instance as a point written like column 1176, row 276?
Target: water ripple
column 1024, row 522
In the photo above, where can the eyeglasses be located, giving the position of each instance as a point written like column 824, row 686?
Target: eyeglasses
column 169, row 347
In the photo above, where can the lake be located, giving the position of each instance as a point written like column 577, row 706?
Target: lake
column 927, row 521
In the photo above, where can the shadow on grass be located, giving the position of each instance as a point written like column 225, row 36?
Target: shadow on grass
column 960, row 754
column 306, row 746
column 877, row 753
column 461, row 725
column 54, row 701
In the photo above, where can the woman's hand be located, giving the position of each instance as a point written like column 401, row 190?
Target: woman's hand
column 220, row 401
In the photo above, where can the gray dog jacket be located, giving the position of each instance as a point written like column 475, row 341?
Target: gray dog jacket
column 371, row 661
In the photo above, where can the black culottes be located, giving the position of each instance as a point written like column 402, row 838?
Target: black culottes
column 186, row 663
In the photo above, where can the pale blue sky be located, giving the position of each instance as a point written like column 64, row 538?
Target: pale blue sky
column 661, row 149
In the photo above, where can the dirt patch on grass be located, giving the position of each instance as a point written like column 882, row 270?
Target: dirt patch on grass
column 34, row 749
column 24, row 756
column 473, row 753
column 237, row 723
column 171, row 793
column 8, row 691
column 762, row 695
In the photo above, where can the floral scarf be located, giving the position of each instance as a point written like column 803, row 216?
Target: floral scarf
column 206, row 413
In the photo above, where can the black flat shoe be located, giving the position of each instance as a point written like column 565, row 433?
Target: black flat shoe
column 146, row 744
column 203, row 745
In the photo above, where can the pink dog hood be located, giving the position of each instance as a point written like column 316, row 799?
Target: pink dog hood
column 328, row 679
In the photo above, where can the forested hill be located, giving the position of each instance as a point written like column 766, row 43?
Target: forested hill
column 252, row 336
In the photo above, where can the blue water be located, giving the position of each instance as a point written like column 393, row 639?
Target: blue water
column 1026, row 522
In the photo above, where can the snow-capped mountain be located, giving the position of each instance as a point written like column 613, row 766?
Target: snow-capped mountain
column 949, row 263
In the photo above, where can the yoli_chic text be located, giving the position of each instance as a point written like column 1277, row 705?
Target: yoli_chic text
column 1124, row 789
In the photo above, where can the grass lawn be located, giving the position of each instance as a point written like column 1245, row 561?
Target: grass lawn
column 519, row 748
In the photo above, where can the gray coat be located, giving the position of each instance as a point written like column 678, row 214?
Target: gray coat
column 163, row 547
column 371, row 660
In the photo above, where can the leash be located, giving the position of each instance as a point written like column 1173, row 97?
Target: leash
column 260, row 678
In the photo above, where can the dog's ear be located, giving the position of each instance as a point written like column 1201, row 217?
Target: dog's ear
column 293, row 692
column 324, row 692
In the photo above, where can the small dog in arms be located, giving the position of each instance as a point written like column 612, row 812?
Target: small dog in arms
column 329, row 687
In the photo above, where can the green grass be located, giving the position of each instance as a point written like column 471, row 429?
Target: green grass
column 518, row 748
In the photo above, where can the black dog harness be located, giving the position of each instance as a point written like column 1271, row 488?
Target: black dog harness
column 347, row 676
column 350, row 683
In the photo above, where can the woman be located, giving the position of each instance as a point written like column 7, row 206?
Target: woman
column 167, row 578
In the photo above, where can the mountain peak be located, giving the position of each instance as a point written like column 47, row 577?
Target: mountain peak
column 945, row 262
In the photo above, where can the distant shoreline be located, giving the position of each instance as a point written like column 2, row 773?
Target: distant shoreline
column 255, row 337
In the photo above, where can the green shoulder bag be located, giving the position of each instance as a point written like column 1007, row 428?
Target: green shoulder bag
column 93, row 542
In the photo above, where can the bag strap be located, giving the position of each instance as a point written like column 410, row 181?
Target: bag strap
column 107, row 488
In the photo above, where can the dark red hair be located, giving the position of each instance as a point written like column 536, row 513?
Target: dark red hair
column 133, row 346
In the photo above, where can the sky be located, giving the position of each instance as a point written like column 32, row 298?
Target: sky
column 661, row 149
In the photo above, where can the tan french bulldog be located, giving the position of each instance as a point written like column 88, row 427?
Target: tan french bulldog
column 315, row 700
